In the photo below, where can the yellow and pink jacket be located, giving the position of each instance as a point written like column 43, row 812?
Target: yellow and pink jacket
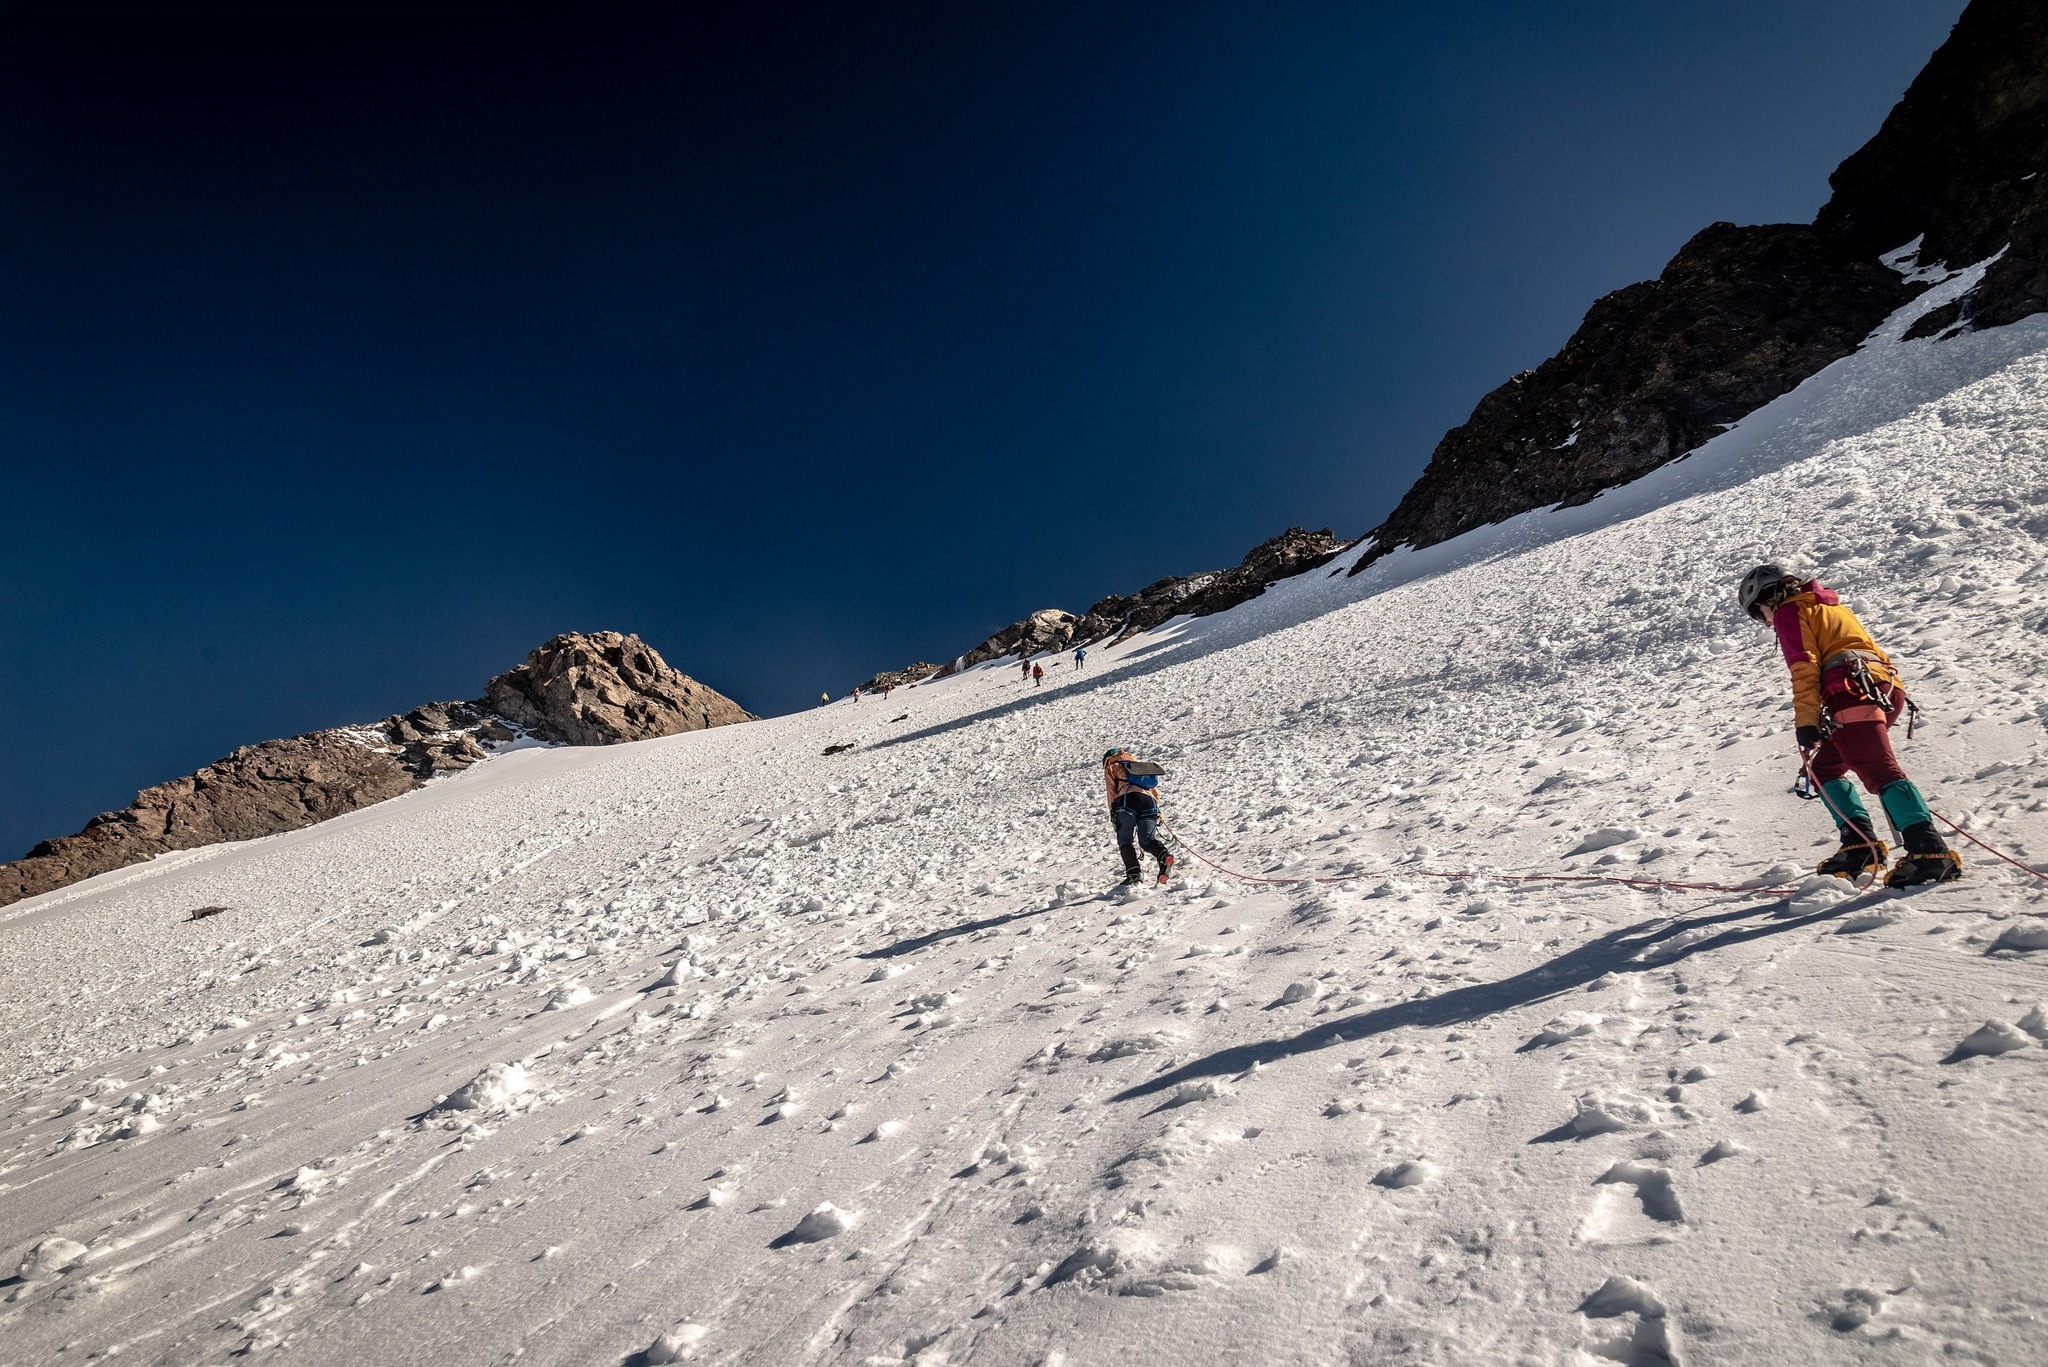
column 1821, row 641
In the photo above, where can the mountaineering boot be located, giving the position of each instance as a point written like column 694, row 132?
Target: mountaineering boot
column 1927, row 859
column 1133, row 876
column 1861, row 852
column 1166, row 863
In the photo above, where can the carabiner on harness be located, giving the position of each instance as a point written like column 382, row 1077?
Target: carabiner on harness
column 1865, row 686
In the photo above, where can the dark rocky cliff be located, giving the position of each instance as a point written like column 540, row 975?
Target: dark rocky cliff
column 597, row 689
column 1742, row 315
column 1957, row 163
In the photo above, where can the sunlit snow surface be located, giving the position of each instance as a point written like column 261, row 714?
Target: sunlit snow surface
column 717, row 1049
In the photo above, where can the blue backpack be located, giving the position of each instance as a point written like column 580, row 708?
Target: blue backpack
column 1143, row 774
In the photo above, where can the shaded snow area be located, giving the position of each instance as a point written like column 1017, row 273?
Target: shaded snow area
column 719, row 1049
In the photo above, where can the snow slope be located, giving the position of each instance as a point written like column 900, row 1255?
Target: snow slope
column 719, row 1048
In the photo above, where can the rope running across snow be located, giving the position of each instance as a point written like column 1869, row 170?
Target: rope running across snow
column 1658, row 884
column 1989, row 849
column 1661, row 884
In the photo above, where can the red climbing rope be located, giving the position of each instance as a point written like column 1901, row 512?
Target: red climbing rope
column 1843, row 823
column 1657, row 883
column 1988, row 849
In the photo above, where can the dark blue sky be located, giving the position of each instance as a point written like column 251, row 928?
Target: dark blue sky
column 340, row 364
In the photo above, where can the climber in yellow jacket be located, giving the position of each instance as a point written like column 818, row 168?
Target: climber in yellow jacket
column 1845, row 692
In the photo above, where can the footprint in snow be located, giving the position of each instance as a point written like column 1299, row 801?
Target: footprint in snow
column 1303, row 991
column 822, row 1223
column 1642, row 1333
column 1412, row 1173
column 1598, row 1113
column 1571, row 1025
column 679, row 1344
column 1991, row 1039
column 1209, row 1089
column 2021, row 936
column 1725, row 1148
column 1858, row 1306
column 1653, row 1188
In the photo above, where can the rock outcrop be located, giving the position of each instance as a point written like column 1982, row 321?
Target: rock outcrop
column 1292, row 552
column 1742, row 315
column 1045, row 629
column 1957, row 165
column 901, row 678
column 600, row 689
column 279, row 785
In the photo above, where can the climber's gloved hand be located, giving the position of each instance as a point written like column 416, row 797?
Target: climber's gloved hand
column 1806, row 736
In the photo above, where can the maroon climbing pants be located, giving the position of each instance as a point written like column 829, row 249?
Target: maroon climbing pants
column 1864, row 747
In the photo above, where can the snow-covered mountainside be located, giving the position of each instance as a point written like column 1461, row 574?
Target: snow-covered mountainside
column 720, row 1047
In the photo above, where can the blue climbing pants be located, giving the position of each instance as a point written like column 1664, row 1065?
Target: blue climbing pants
column 1138, row 827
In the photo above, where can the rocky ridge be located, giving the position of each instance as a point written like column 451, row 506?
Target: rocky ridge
column 1293, row 552
column 1744, row 314
column 603, row 688
column 915, row 673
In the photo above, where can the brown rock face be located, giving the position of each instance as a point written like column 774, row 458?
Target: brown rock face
column 901, row 678
column 1045, row 629
column 581, row 690
column 602, row 689
column 279, row 785
column 1741, row 315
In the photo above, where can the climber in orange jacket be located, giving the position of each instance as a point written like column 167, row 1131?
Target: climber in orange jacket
column 1845, row 692
column 1134, row 808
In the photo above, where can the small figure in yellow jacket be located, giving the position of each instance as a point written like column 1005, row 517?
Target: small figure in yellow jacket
column 1845, row 693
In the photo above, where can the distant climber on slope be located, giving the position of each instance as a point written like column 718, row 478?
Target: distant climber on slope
column 1037, row 675
column 1845, row 693
column 1133, row 788
column 1080, row 657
